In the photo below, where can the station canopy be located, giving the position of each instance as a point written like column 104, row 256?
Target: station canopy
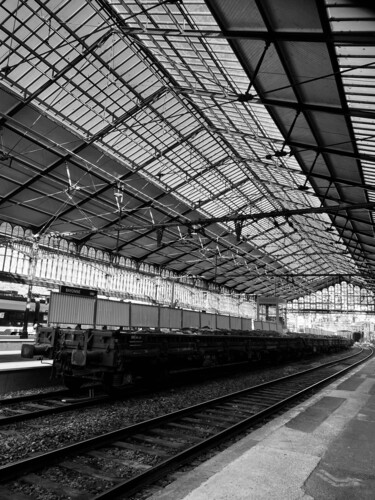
column 228, row 140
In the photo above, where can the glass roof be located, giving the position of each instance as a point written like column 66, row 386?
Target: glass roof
column 124, row 117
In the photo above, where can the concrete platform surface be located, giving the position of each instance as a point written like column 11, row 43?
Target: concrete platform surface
column 22, row 364
column 323, row 449
column 13, row 343
column 23, row 375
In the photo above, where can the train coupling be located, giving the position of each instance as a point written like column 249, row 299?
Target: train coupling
column 29, row 350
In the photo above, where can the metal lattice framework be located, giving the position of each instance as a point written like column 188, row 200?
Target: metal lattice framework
column 228, row 140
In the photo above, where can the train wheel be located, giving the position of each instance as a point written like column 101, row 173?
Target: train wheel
column 72, row 383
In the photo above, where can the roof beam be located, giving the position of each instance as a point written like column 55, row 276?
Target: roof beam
column 300, row 36
column 239, row 217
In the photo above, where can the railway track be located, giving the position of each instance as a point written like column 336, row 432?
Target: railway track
column 24, row 408
column 143, row 452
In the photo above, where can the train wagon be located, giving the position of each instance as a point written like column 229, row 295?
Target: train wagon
column 119, row 358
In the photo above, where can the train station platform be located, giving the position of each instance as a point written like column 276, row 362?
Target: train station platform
column 10, row 353
column 18, row 373
column 323, row 449
column 13, row 343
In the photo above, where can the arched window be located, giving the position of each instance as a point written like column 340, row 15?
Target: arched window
column 63, row 245
column 91, row 253
column 6, row 228
column 18, row 232
column 84, row 251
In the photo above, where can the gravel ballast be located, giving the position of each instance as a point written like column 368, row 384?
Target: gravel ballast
column 22, row 440
column 42, row 434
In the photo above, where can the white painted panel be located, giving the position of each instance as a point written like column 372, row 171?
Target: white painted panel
column 190, row 319
column 208, row 320
column 143, row 315
column 112, row 313
column 69, row 309
column 223, row 322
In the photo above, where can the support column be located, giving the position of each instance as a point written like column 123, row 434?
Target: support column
column 32, row 265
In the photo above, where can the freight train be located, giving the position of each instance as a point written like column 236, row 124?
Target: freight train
column 118, row 358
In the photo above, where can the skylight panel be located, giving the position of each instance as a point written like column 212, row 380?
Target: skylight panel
column 193, row 192
column 264, row 206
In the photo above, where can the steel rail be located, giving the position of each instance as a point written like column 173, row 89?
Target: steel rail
column 25, row 466
column 28, row 412
column 33, row 397
column 75, row 401
column 134, row 484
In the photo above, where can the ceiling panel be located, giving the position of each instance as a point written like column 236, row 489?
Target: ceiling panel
column 244, row 128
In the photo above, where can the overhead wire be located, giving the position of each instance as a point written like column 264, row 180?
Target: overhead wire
column 146, row 184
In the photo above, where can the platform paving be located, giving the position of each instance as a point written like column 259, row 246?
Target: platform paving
column 10, row 343
column 323, row 449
